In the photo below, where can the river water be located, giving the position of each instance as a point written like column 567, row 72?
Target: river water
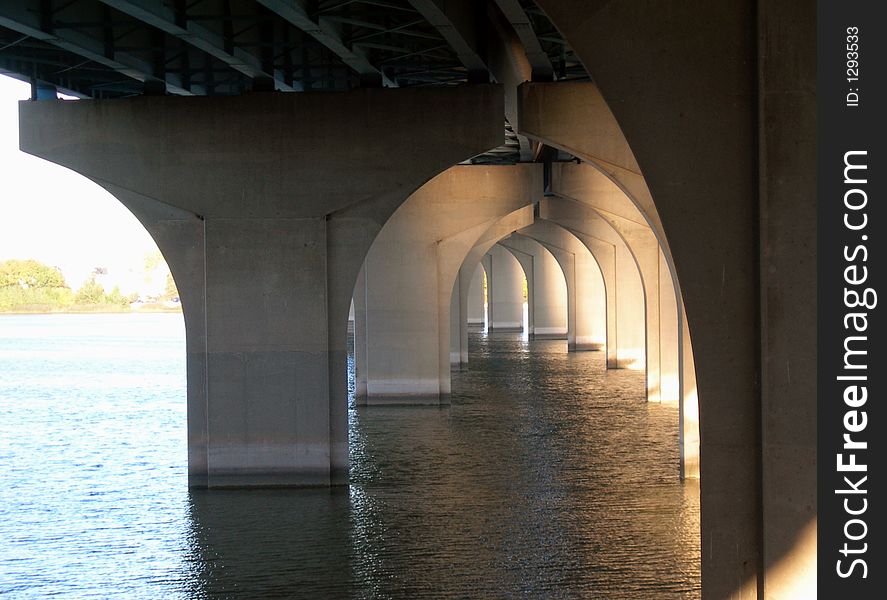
column 548, row 477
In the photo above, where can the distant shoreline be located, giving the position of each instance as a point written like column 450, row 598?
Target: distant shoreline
column 90, row 310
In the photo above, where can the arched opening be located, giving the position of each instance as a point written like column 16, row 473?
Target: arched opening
column 546, row 294
column 507, row 284
column 423, row 310
column 92, row 392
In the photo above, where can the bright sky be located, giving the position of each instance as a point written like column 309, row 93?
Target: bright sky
column 59, row 217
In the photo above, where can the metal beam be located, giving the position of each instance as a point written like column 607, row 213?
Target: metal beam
column 402, row 29
column 441, row 20
column 61, row 89
column 295, row 13
column 15, row 16
column 157, row 14
column 536, row 56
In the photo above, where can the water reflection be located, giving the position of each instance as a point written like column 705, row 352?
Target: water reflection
column 270, row 543
column 547, row 477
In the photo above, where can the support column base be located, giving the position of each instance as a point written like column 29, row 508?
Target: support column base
column 548, row 336
column 264, row 480
column 586, row 347
column 505, row 329
column 408, row 400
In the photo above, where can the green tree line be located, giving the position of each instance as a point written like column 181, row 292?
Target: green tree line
column 31, row 286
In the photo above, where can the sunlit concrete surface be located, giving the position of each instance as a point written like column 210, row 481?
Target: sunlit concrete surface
column 626, row 318
column 477, row 298
column 586, row 289
column 478, row 255
column 546, row 287
column 411, row 270
column 506, row 280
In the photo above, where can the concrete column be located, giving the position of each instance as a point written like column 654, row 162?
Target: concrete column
column 587, row 314
column 360, row 338
column 527, row 260
column 669, row 336
column 413, row 283
column 402, row 321
column 459, row 322
column 477, row 298
column 478, row 256
column 486, row 261
column 604, row 255
column 549, row 296
column 689, row 406
column 705, row 196
column 506, row 277
column 626, row 312
column 265, row 231
column 467, row 290
column 547, row 288
column 786, row 161
column 458, row 314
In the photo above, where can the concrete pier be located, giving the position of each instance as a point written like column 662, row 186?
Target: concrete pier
column 265, row 262
column 546, row 288
column 477, row 299
column 477, row 256
column 586, row 289
column 720, row 202
column 412, row 268
column 506, row 288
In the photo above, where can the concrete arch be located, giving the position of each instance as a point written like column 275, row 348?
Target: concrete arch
column 627, row 204
column 409, row 275
column 510, row 283
column 537, row 252
column 644, row 253
column 587, row 294
column 547, row 288
column 669, row 361
column 664, row 377
column 626, row 306
column 475, row 256
column 576, row 118
column 501, row 233
column 266, row 393
column 746, row 182
column 507, row 276
column 561, row 239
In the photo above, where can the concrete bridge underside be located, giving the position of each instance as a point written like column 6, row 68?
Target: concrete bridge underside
column 683, row 233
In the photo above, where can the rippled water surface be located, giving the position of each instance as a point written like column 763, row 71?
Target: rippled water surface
column 548, row 477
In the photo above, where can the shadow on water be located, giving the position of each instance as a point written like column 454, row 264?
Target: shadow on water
column 547, row 477
column 270, row 543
